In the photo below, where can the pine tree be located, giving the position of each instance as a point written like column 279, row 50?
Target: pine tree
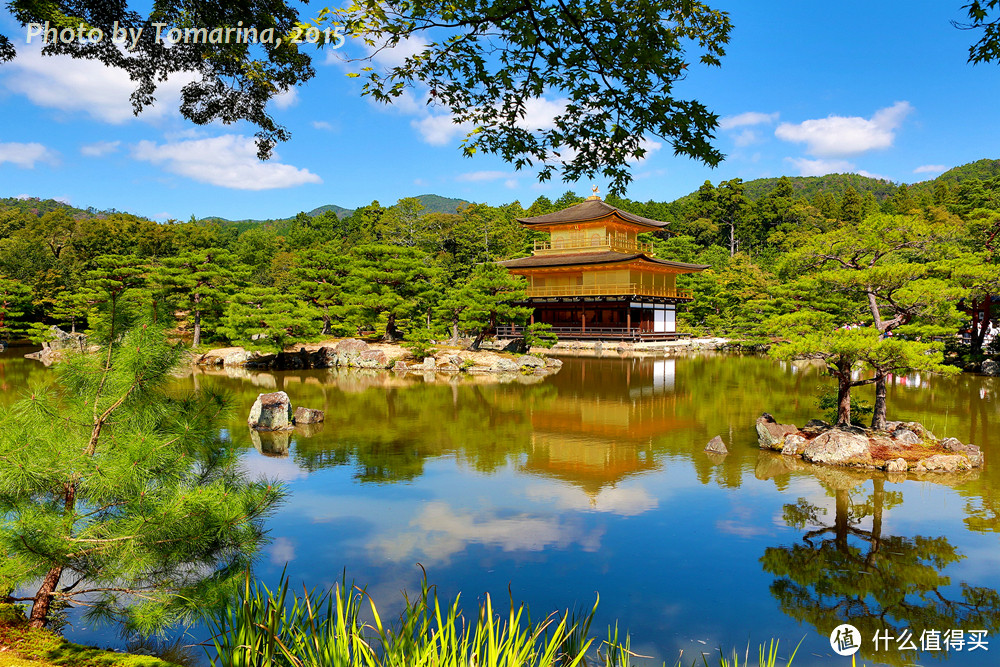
column 391, row 280
column 318, row 279
column 265, row 317
column 118, row 496
column 495, row 294
column 198, row 280
column 15, row 300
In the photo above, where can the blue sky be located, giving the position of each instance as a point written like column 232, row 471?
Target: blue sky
column 878, row 88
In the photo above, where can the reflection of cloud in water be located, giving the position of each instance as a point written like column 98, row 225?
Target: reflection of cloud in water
column 282, row 550
column 257, row 466
column 621, row 500
column 439, row 532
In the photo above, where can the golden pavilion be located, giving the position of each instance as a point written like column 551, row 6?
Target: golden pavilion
column 593, row 278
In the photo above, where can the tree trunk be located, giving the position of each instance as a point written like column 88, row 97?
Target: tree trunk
column 732, row 239
column 878, row 417
column 842, row 520
column 43, row 598
column 391, row 333
column 878, row 503
column 454, row 331
column 843, row 393
column 977, row 331
column 197, row 321
column 479, row 339
column 326, row 324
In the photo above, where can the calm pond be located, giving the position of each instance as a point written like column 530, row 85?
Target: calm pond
column 595, row 480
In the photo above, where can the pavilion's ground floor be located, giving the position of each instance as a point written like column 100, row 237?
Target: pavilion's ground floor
column 626, row 318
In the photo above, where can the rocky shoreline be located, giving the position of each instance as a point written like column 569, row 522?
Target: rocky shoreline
column 354, row 353
column 902, row 447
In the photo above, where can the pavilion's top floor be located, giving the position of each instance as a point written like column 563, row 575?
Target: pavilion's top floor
column 591, row 226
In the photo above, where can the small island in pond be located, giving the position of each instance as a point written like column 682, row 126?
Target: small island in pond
column 901, row 447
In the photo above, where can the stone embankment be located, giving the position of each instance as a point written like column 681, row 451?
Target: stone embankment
column 353, row 353
column 61, row 344
column 902, row 447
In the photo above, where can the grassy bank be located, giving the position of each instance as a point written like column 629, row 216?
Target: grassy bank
column 22, row 646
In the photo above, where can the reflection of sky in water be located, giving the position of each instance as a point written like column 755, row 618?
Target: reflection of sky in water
column 593, row 481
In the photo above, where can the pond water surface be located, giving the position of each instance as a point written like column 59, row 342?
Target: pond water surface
column 594, row 480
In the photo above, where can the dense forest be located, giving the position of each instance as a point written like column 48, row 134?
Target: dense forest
column 404, row 270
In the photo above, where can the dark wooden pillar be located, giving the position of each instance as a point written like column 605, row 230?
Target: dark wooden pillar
column 628, row 318
column 583, row 320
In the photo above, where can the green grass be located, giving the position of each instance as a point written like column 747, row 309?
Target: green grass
column 23, row 645
column 282, row 629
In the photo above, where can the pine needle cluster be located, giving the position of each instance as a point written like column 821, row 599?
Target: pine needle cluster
column 118, row 495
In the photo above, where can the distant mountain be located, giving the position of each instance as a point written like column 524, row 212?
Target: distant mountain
column 339, row 210
column 432, row 204
column 835, row 184
column 983, row 169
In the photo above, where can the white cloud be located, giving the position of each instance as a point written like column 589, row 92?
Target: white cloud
column 397, row 55
column 440, row 130
column 747, row 118
column 930, row 169
column 621, row 500
column 286, row 99
column 229, row 161
column 650, row 147
column 22, row 197
column 100, row 148
column 838, row 136
column 282, row 551
column 540, row 113
column 80, row 85
column 479, row 176
column 27, row 156
column 746, row 137
column 809, row 167
column 868, row 174
column 511, row 183
column 322, row 125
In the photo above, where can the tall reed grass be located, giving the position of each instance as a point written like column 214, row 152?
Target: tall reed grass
column 265, row 628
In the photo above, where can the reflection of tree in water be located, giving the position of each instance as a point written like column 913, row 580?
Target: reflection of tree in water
column 845, row 573
column 387, row 434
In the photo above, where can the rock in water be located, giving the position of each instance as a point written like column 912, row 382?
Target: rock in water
column 896, row 465
column 990, row 367
column 716, row 446
column 770, row 434
column 271, row 412
column 308, row 416
column 794, row 444
column 839, row 448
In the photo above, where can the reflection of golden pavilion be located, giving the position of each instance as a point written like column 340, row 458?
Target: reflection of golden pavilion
column 600, row 427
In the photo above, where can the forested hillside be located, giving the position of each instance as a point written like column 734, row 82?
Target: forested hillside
column 402, row 269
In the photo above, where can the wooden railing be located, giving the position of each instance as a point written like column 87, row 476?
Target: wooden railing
column 613, row 289
column 625, row 333
column 609, row 241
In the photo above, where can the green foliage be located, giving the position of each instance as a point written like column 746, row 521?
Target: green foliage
column 15, row 299
column 539, row 334
column 419, row 342
column 860, row 409
column 123, row 490
column 264, row 317
column 323, row 629
column 543, row 48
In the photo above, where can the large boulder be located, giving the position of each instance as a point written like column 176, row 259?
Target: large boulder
column 771, row 434
column 504, row 365
column 274, row 444
column 716, row 446
column 990, row 367
column 308, row 416
column 974, row 454
column 906, row 437
column 838, row 447
column 943, row 463
column 324, row 357
column 429, row 364
column 896, row 465
column 528, row 361
column 271, row 412
column 794, row 444
column 372, row 359
column 349, row 350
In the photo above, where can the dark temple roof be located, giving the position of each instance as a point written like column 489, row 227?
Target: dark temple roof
column 607, row 257
column 592, row 209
